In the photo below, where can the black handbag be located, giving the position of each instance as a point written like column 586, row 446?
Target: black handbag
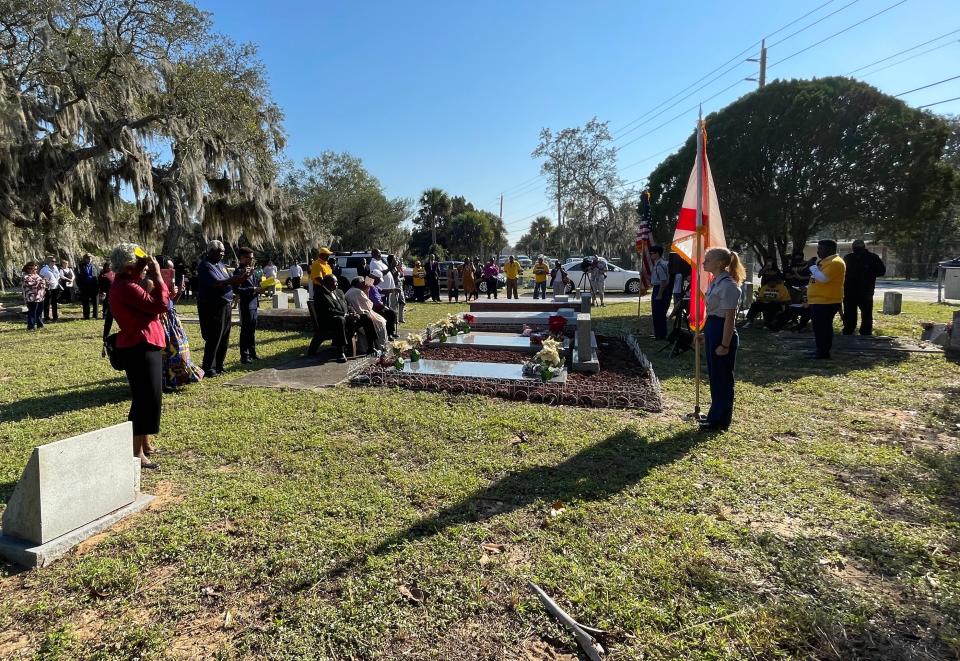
column 113, row 353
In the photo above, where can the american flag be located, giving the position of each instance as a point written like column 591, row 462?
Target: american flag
column 645, row 241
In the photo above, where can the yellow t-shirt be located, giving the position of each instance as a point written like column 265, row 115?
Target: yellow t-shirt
column 773, row 294
column 419, row 276
column 318, row 269
column 512, row 271
column 540, row 272
column 831, row 291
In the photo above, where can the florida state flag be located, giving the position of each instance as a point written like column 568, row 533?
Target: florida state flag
column 700, row 215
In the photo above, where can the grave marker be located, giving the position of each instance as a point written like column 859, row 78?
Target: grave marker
column 70, row 490
column 300, row 298
column 281, row 300
column 892, row 302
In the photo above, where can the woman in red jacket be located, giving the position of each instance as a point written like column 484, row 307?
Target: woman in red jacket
column 137, row 304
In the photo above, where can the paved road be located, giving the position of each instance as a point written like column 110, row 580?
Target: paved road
column 912, row 290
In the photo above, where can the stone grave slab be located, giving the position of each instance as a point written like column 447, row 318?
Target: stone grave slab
column 281, row 300
column 519, row 319
column 892, row 302
column 585, row 357
column 504, row 341
column 300, row 298
column 69, row 490
column 523, row 305
column 472, row 369
column 307, row 373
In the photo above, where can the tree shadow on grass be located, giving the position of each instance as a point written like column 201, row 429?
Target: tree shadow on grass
column 64, row 401
column 598, row 472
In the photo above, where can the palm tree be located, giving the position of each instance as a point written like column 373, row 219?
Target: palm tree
column 540, row 228
column 434, row 206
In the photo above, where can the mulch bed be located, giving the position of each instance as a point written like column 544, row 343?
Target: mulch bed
column 621, row 382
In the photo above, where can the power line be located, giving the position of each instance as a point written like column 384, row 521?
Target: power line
column 937, row 103
column 819, row 20
column 906, row 50
column 732, row 59
column 836, row 34
column 912, row 57
column 917, row 89
column 682, row 113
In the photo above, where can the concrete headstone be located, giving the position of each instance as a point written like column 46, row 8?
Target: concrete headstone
column 69, row 483
column 300, row 298
column 585, row 302
column 281, row 300
column 892, row 302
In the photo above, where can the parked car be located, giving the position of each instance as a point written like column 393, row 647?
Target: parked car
column 618, row 279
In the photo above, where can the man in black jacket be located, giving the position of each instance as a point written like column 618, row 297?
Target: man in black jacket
column 863, row 269
column 335, row 316
column 248, row 300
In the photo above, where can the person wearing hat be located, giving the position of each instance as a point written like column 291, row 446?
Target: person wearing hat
column 376, row 297
column 863, row 269
column 320, row 267
column 248, row 292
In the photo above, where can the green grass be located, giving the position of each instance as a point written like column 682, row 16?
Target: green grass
column 351, row 522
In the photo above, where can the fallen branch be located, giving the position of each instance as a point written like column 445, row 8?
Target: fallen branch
column 587, row 642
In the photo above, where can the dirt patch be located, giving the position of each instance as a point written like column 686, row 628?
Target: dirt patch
column 15, row 644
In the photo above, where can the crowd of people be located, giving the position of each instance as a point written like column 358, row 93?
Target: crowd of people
column 810, row 291
column 152, row 348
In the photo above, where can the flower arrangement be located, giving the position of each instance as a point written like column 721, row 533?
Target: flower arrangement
column 453, row 325
column 408, row 348
column 547, row 363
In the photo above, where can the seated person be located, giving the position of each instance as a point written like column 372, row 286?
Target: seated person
column 772, row 299
column 797, row 312
column 376, row 297
column 334, row 315
column 359, row 301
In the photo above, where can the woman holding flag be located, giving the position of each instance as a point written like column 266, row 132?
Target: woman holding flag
column 720, row 333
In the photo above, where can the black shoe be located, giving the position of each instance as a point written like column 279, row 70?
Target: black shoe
column 342, row 358
column 813, row 355
column 246, row 359
column 210, row 374
column 713, row 426
column 254, row 356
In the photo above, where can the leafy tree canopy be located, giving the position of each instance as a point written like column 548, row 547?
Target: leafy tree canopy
column 800, row 157
column 345, row 206
column 103, row 96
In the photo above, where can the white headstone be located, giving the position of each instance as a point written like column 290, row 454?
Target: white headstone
column 281, row 300
column 69, row 483
column 892, row 302
column 300, row 297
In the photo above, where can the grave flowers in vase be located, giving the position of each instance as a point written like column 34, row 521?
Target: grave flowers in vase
column 453, row 325
column 546, row 364
column 556, row 323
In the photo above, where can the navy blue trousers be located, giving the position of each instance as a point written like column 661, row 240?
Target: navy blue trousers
column 720, row 371
column 659, row 305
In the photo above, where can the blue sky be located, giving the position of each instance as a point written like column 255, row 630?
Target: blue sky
column 454, row 94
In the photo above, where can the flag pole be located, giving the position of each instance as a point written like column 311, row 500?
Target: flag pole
column 698, row 262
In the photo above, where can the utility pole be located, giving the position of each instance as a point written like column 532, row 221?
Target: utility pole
column 762, row 78
column 559, row 212
column 501, row 222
